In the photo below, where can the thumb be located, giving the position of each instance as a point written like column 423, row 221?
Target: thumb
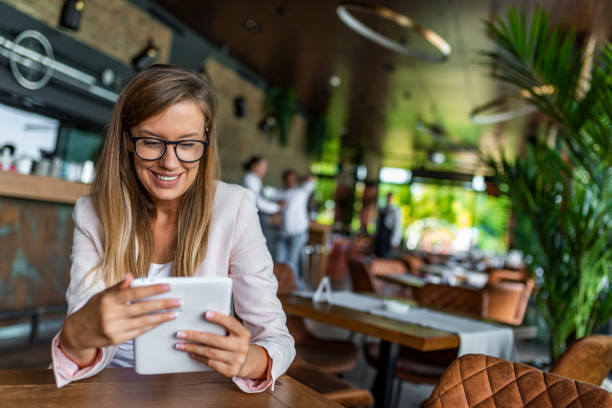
column 126, row 282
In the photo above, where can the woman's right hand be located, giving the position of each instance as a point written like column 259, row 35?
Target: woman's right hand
column 112, row 317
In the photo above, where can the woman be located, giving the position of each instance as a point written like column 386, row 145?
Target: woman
column 158, row 210
column 256, row 169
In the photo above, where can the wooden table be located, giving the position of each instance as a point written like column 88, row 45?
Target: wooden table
column 122, row 387
column 392, row 333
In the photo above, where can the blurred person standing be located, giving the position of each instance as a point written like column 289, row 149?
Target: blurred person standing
column 256, row 169
column 295, row 222
column 388, row 229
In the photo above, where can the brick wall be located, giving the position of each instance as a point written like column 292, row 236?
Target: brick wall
column 239, row 138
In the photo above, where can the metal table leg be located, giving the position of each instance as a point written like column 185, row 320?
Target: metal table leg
column 383, row 385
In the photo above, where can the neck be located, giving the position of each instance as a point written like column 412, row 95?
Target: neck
column 167, row 210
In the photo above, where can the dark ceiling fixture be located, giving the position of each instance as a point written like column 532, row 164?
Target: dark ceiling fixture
column 145, row 57
column 344, row 13
column 71, row 14
column 252, row 25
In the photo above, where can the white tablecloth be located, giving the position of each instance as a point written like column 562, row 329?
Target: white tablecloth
column 475, row 336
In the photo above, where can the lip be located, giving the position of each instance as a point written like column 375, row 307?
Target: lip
column 166, row 184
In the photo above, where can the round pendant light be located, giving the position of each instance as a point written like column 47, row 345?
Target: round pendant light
column 345, row 13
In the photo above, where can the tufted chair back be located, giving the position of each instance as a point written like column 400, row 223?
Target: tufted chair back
column 381, row 266
column 453, row 299
column 476, row 380
column 588, row 359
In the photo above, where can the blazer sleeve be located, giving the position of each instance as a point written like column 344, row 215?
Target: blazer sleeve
column 254, row 290
column 87, row 251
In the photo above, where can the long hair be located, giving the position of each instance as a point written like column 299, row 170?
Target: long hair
column 124, row 207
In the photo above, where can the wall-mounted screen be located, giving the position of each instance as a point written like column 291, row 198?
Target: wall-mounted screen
column 28, row 132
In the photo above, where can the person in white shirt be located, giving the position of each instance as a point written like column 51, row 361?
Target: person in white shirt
column 295, row 222
column 256, row 169
column 388, row 229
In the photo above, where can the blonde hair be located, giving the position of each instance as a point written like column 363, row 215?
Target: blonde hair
column 124, row 207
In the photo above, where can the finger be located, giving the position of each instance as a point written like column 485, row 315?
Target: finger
column 218, row 366
column 126, row 282
column 148, row 306
column 132, row 334
column 137, row 323
column 210, row 339
column 229, row 322
column 131, row 294
column 211, row 353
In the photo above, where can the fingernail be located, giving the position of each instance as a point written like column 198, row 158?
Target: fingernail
column 179, row 346
column 177, row 302
column 181, row 334
column 209, row 315
column 166, row 287
column 173, row 315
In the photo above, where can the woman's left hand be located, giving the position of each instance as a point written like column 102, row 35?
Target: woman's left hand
column 231, row 355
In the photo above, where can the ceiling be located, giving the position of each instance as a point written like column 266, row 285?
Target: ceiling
column 376, row 109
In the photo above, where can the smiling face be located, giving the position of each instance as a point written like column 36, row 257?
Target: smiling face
column 167, row 178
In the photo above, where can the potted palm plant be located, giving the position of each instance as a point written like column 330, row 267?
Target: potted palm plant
column 561, row 190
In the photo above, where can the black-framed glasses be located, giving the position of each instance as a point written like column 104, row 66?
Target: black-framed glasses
column 152, row 148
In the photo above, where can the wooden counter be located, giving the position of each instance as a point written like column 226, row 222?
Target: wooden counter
column 33, row 187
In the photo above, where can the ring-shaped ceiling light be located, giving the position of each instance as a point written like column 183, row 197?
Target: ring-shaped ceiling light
column 344, row 13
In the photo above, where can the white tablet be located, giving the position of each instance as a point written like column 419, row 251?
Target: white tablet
column 154, row 351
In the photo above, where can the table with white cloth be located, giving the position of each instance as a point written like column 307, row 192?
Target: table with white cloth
column 397, row 323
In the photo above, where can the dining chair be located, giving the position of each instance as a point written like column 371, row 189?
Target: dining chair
column 330, row 386
column 453, row 299
column 588, row 359
column 383, row 266
column 362, row 279
column 508, row 299
column 476, row 380
column 330, row 356
column 414, row 263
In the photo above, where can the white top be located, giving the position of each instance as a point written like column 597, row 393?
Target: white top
column 295, row 213
column 254, row 183
column 124, row 357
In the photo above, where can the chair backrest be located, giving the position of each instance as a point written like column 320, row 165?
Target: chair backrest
column 476, row 380
column 452, row 298
column 508, row 300
column 414, row 263
column 381, row 266
column 360, row 276
column 589, row 360
column 498, row 275
column 285, row 278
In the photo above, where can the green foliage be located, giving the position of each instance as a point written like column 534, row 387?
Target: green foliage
column 317, row 133
column 562, row 194
column 280, row 103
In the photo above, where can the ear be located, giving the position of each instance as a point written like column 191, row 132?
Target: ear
column 128, row 142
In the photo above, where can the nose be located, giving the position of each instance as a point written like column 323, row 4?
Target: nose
column 169, row 159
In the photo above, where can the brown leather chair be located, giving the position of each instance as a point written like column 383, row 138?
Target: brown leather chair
column 330, row 356
column 476, row 380
column 414, row 263
column 453, row 298
column 588, row 360
column 361, row 278
column 382, row 266
column 508, row 299
column 329, row 385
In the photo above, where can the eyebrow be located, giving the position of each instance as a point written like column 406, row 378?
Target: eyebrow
column 186, row 135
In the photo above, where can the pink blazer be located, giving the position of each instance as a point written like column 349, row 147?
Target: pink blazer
column 236, row 248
